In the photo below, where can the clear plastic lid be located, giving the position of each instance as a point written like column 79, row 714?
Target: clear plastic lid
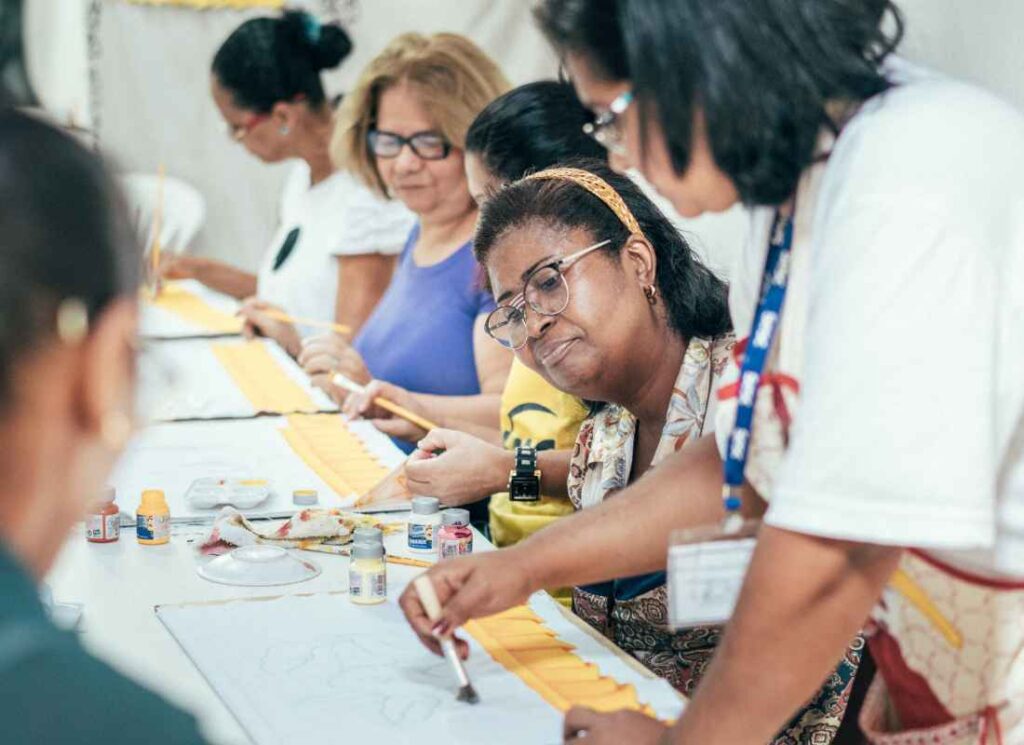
column 426, row 505
column 368, row 535
column 368, row 551
column 455, row 516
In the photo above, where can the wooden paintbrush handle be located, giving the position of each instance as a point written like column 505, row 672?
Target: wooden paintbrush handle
column 428, row 596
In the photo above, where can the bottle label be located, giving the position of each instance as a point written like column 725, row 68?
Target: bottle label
column 103, row 527
column 367, row 585
column 421, row 537
column 455, row 546
column 152, row 527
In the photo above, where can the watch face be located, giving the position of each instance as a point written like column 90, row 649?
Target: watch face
column 523, row 489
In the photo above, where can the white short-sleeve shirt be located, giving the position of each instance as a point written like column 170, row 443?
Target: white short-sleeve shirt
column 898, row 376
column 337, row 217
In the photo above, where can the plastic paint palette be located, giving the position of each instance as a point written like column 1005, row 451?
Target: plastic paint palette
column 210, row 492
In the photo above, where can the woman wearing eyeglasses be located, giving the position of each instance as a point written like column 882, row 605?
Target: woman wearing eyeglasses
column 402, row 131
column 332, row 254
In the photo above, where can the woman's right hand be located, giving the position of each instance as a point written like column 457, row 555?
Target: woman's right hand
column 324, row 355
column 468, row 587
column 457, row 468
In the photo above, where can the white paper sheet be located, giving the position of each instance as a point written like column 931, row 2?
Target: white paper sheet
column 171, row 456
column 157, row 323
column 184, row 380
column 318, row 669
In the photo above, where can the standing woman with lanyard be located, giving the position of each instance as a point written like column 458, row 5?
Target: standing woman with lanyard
column 332, row 254
column 902, row 290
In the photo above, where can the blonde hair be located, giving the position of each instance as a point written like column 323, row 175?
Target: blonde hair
column 453, row 79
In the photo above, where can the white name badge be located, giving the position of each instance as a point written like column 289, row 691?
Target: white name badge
column 705, row 578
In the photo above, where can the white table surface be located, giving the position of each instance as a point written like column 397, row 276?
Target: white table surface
column 120, row 584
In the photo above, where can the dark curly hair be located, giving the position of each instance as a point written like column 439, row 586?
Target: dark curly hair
column 762, row 73
column 694, row 297
column 267, row 60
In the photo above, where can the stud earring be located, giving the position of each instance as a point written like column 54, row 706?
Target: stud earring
column 115, row 429
column 651, row 293
column 284, row 130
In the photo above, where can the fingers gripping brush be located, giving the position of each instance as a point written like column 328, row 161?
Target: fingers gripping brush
column 425, row 589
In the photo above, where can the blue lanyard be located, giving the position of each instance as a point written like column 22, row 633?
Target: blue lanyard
column 759, row 344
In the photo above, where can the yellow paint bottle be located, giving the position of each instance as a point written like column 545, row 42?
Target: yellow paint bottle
column 153, row 519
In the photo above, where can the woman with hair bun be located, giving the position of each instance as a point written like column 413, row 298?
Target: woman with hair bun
column 333, row 252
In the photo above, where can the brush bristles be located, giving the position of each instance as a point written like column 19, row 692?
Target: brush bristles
column 468, row 694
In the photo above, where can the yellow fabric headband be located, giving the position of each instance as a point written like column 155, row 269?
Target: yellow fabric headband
column 596, row 186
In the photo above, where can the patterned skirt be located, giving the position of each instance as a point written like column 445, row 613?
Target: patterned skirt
column 639, row 626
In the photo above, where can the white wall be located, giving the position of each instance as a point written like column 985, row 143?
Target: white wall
column 978, row 40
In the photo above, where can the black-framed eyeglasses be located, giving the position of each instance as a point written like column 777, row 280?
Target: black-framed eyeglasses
column 606, row 128
column 426, row 145
column 545, row 291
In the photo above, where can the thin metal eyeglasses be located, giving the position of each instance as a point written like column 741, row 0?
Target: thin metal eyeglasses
column 426, row 145
column 606, row 128
column 544, row 290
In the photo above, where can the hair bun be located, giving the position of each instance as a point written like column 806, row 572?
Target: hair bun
column 333, row 46
column 326, row 43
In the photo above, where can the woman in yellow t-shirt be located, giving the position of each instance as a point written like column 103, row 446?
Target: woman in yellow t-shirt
column 533, row 127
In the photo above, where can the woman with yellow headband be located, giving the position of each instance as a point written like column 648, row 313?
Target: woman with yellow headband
column 600, row 294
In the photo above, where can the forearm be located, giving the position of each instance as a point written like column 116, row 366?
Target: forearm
column 628, row 533
column 455, row 412
column 225, row 278
column 803, row 600
column 554, row 472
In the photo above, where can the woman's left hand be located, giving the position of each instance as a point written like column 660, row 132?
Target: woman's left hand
column 322, row 356
column 259, row 322
column 594, row 728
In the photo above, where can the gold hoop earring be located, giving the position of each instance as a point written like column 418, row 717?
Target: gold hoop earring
column 651, row 293
column 115, row 429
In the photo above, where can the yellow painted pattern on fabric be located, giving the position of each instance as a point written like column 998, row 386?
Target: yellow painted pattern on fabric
column 325, row 444
column 191, row 308
column 519, row 640
column 262, row 379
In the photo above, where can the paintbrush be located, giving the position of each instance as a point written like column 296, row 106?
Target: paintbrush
column 280, row 315
column 400, row 411
column 158, row 225
column 425, row 589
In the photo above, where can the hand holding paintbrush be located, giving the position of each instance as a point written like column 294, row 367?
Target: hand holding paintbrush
column 428, row 597
column 366, row 396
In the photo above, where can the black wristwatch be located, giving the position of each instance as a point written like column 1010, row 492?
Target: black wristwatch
column 524, row 480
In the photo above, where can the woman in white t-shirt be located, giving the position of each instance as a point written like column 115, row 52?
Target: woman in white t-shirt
column 332, row 255
column 887, row 431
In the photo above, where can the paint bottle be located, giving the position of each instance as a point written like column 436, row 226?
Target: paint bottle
column 454, row 537
column 367, row 573
column 153, row 519
column 103, row 524
column 368, row 535
column 423, row 523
